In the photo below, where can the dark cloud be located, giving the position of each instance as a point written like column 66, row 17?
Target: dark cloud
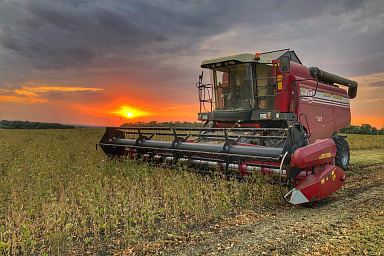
column 377, row 84
column 70, row 97
column 161, row 43
column 72, row 34
column 9, row 87
column 7, row 93
column 317, row 8
column 64, row 35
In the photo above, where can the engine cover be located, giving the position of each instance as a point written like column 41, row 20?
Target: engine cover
column 320, row 152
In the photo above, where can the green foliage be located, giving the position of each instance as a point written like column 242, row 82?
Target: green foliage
column 363, row 129
column 4, row 245
column 5, row 124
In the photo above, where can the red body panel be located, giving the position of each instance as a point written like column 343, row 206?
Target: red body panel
column 326, row 108
column 324, row 182
column 300, row 70
column 342, row 113
column 320, row 152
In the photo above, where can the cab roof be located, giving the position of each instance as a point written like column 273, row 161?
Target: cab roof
column 265, row 57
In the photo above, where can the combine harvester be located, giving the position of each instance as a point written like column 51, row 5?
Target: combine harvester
column 265, row 112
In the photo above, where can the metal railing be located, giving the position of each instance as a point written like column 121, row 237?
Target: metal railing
column 205, row 94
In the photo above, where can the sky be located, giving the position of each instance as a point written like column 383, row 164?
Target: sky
column 109, row 62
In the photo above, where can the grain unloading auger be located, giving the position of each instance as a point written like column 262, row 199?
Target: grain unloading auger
column 265, row 112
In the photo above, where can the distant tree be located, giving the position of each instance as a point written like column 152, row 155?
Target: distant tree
column 5, row 124
column 363, row 129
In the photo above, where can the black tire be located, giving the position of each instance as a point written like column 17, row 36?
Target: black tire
column 342, row 154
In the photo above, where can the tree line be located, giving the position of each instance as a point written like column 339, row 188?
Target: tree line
column 363, row 129
column 5, row 124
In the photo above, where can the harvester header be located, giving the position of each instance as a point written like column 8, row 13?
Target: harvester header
column 263, row 112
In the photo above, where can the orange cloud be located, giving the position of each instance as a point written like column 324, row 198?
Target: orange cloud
column 17, row 99
column 61, row 89
column 31, row 94
column 368, row 79
column 26, row 92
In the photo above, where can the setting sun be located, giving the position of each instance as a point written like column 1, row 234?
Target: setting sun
column 129, row 112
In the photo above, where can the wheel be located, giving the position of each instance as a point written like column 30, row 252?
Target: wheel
column 342, row 154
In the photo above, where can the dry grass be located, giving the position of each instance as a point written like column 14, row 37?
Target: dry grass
column 362, row 141
column 366, row 149
column 366, row 156
column 360, row 238
column 59, row 195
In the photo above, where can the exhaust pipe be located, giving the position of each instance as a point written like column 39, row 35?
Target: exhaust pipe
column 332, row 78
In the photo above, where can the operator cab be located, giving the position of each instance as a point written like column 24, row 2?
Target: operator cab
column 242, row 88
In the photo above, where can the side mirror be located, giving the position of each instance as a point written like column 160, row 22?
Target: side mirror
column 284, row 64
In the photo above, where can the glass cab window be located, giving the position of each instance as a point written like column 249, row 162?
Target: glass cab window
column 243, row 86
column 265, row 85
column 233, row 87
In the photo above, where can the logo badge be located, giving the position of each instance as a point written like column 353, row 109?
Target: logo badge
column 309, row 94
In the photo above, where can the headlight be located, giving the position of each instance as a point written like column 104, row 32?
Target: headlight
column 203, row 117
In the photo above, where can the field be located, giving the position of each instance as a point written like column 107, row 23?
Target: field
column 61, row 196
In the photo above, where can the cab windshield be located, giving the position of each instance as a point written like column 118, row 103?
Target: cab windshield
column 243, row 86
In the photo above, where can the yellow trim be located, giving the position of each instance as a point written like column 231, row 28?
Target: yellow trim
column 322, row 156
column 280, row 83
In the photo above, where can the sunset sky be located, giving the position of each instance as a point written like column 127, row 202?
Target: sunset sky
column 109, row 62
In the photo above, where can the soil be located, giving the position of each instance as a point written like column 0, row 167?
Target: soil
column 294, row 229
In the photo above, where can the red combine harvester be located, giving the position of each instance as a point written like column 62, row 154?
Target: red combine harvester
column 265, row 112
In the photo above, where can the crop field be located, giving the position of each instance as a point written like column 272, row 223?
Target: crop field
column 366, row 149
column 61, row 196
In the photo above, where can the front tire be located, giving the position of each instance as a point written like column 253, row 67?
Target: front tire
column 342, row 154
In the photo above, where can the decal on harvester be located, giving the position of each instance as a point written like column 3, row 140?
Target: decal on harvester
column 329, row 176
column 280, row 82
column 333, row 175
column 324, row 98
column 325, row 155
column 310, row 94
